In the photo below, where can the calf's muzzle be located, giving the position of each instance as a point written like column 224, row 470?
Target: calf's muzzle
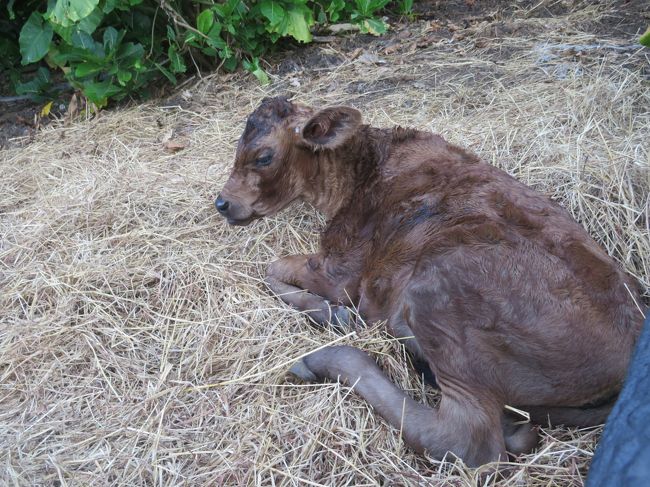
column 222, row 205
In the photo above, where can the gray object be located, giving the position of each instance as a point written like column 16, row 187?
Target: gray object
column 622, row 458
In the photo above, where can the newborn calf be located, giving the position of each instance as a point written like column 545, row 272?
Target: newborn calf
column 494, row 286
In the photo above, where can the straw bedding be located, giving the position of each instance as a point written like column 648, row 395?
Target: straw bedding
column 138, row 345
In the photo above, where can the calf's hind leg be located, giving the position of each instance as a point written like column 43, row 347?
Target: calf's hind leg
column 469, row 429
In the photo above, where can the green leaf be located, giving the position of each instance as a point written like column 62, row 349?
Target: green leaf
column 406, row 7
column 167, row 73
column 378, row 4
column 335, row 8
column 87, row 69
column 374, row 27
column 130, row 53
column 368, row 7
column 36, row 86
column 68, row 12
column 123, row 77
column 364, row 7
column 100, row 91
column 214, row 37
column 644, row 40
column 109, row 6
column 255, row 69
column 261, row 75
column 219, row 10
column 299, row 19
column 232, row 6
column 64, row 32
column 90, row 23
column 192, row 38
column 209, row 51
column 177, row 64
column 227, row 53
column 171, row 34
column 82, row 40
column 204, row 21
column 68, row 54
column 35, row 39
column 272, row 11
column 230, row 63
column 110, row 39
column 10, row 9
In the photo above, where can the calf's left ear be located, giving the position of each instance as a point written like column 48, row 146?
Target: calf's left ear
column 331, row 127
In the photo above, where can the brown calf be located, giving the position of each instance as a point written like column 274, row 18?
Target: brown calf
column 494, row 286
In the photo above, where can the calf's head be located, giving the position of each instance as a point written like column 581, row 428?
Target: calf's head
column 278, row 156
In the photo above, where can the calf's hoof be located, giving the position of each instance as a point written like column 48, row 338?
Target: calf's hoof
column 300, row 370
column 341, row 317
column 522, row 439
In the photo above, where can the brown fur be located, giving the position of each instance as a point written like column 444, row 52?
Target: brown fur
column 495, row 286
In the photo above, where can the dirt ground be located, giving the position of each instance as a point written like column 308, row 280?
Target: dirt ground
column 138, row 344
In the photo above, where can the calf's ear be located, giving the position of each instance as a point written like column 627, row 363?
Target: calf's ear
column 331, row 127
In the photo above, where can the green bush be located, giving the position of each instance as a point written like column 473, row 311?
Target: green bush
column 644, row 40
column 111, row 48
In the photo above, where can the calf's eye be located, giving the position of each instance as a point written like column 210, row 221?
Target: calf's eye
column 264, row 160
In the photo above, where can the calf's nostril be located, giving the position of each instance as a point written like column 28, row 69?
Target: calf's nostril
column 221, row 204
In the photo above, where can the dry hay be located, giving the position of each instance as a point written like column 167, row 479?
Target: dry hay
column 138, row 344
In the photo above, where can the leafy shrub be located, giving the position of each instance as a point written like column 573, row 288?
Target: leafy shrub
column 644, row 40
column 111, row 48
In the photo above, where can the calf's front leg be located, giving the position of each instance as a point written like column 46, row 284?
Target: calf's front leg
column 299, row 284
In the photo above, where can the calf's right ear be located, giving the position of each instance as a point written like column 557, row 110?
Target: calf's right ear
column 331, row 127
